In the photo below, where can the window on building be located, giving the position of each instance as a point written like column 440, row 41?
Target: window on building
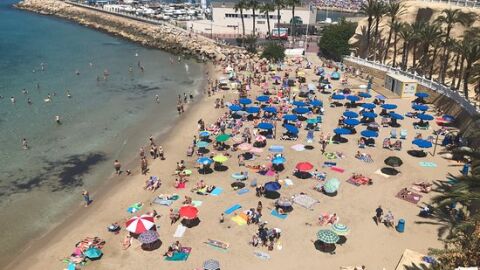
column 261, row 22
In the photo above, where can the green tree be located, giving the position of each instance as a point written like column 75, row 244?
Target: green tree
column 293, row 4
column 240, row 6
column 266, row 8
column 396, row 27
column 279, row 5
column 429, row 34
column 406, row 33
column 470, row 49
column 253, row 5
column 334, row 42
column 274, row 52
column 417, row 29
column 367, row 8
column 394, row 10
column 379, row 12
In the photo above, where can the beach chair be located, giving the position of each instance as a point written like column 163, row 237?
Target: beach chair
column 393, row 133
column 385, row 122
column 310, row 137
column 398, row 145
column 386, row 143
column 403, row 134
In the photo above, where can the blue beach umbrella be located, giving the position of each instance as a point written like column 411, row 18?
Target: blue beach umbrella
column 421, row 95
column 422, row 143
column 369, row 115
column 338, row 97
column 263, row 98
column 272, row 186
column 278, row 160
column 353, row 98
column 252, row 109
column 276, row 149
column 202, row 144
column 342, row 131
column 270, row 109
column 389, row 106
column 299, row 103
column 266, row 126
column 290, row 117
column 205, row 160
column 350, row 114
column 204, row 133
column 351, row 121
column 368, row 106
column 316, row 103
column 291, row 129
column 396, row 116
column 244, row 101
column 235, row 108
column 420, row 107
column 335, row 75
column 425, row 117
column 301, row 110
column 364, row 95
column 369, row 134
column 93, row 253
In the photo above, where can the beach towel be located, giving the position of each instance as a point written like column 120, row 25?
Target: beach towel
column 329, row 164
column 180, row 256
column 337, row 169
column 181, row 185
column 232, row 209
column 288, row 182
column 179, row 231
column 305, row 201
column 379, row 172
column 330, row 155
column 216, row 191
column 261, row 255
column 366, row 159
column 162, row 202
column 134, row 208
column 243, row 191
column 239, row 220
column 278, row 215
column 409, row 196
column 217, row 243
column 428, row 164
column 197, row 203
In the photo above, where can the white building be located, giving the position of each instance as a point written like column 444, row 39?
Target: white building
column 226, row 21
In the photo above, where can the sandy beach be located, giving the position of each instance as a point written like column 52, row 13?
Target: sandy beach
column 375, row 246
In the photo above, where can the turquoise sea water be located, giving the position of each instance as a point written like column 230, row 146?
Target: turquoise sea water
column 103, row 120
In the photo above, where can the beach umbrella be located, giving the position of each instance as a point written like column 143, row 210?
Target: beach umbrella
column 396, row 116
column 266, row 126
column 205, row 160
column 393, row 161
column 93, row 253
column 290, row 117
column 202, row 144
column 276, row 78
column 331, row 186
column 148, row 237
column 369, row 106
column 425, row 117
column 422, row 143
column 350, row 114
column 272, row 186
column 139, row 224
column 342, row 131
column 188, row 212
column 211, row 265
column 448, row 118
column 351, row 121
column 338, row 97
column 204, row 133
column 222, row 138
column 421, row 95
column 327, row 236
column 260, row 138
column 276, row 149
column 369, row 115
column 304, row 166
column 327, row 86
column 244, row 101
column 291, row 129
column 364, row 94
column 270, row 109
column 389, row 106
column 299, row 103
column 235, row 108
column 420, row 107
column 335, row 75
column 316, row 103
column 245, row 146
column 283, row 202
column 252, row 109
column 301, row 110
column 278, row 160
column 340, row 229
column 72, row 266
column 353, row 98
column 220, row 158
column 263, row 98
column 369, row 134
column 298, row 147
column 187, row 172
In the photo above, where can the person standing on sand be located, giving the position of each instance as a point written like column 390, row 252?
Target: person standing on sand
column 86, row 197
column 161, row 154
column 378, row 214
column 117, row 167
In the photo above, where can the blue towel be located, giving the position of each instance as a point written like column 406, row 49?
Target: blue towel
column 278, row 215
column 216, row 191
column 233, row 209
column 243, row 191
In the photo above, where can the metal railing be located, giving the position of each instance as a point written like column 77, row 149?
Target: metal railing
column 459, row 3
column 471, row 107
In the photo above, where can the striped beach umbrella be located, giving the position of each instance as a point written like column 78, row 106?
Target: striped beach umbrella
column 211, row 265
column 327, row 236
column 340, row 229
column 140, row 224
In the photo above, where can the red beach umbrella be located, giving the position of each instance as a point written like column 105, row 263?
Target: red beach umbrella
column 140, row 224
column 188, row 212
column 304, row 166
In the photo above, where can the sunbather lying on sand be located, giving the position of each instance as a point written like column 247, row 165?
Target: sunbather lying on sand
column 422, row 187
column 127, row 242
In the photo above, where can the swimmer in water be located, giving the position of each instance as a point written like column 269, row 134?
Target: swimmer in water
column 68, row 94
column 57, row 119
column 24, row 91
column 42, row 65
column 157, row 98
column 77, row 72
column 91, row 64
column 142, row 69
column 38, row 85
column 12, row 99
column 171, row 60
column 136, row 54
column 24, row 144
column 29, row 101
column 130, row 69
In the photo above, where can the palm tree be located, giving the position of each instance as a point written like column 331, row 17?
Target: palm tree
column 429, row 34
column 378, row 13
column 406, row 33
column 437, row 43
column 470, row 49
column 279, row 4
column 450, row 17
column 293, row 4
column 253, row 5
column 367, row 8
column 455, row 48
column 396, row 27
column 417, row 29
column 266, row 8
column 394, row 10
column 240, row 6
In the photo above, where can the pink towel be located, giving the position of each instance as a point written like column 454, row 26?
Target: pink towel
column 181, row 185
column 337, row 169
column 270, row 173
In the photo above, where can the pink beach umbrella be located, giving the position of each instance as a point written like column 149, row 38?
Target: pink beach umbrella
column 260, row 138
column 140, row 224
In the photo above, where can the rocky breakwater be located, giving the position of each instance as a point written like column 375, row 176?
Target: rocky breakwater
column 165, row 37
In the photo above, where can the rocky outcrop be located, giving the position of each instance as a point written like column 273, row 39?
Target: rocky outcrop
column 165, row 37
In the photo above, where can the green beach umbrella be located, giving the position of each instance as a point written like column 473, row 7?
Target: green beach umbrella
column 331, row 185
column 327, row 236
column 340, row 229
column 220, row 158
column 187, row 172
column 312, row 121
column 222, row 138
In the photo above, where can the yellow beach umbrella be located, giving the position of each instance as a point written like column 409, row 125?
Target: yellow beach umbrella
column 220, row 158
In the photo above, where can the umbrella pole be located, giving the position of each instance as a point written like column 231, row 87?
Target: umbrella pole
column 436, row 142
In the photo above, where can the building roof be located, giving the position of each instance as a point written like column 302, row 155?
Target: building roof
column 400, row 77
column 232, row 4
